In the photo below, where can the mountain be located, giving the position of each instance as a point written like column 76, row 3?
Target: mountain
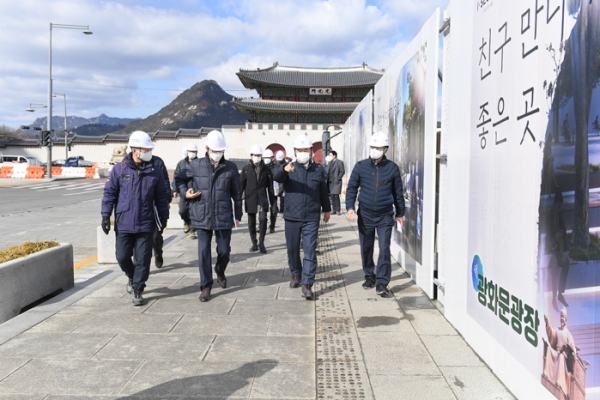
column 97, row 129
column 203, row 105
column 58, row 122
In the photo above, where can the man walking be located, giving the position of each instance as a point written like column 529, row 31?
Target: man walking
column 135, row 191
column 335, row 175
column 306, row 188
column 381, row 205
column 257, row 186
column 157, row 238
column 280, row 158
column 215, row 183
column 274, row 165
column 184, row 207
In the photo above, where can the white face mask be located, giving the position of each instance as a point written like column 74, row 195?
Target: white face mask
column 302, row 157
column 145, row 156
column 216, row 157
column 375, row 154
column 328, row 159
column 256, row 159
column 191, row 156
column 267, row 161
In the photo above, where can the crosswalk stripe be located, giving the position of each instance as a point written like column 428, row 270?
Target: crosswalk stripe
column 81, row 186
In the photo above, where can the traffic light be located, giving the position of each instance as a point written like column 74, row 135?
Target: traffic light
column 326, row 143
column 45, row 138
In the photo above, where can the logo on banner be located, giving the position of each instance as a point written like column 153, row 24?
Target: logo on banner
column 476, row 270
column 481, row 4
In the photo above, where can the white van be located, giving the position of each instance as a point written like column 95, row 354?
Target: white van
column 8, row 160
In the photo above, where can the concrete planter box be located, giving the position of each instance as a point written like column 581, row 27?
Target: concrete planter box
column 106, row 246
column 26, row 280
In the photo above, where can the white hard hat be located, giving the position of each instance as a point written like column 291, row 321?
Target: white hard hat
column 303, row 142
column 256, row 149
column 379, row 139
column 268, row 153
column 191, row 147
column 140, row 139
column 280, row 155
column 215, row 141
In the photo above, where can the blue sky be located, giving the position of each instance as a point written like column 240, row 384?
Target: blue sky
column 171, row 45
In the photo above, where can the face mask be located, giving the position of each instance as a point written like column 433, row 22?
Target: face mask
column 216, row 157
column 267, row 161
column 256, row 159
column 302, row 157
column 145, row 156
column 191, row 156
column 375, row 154
column 328, row 159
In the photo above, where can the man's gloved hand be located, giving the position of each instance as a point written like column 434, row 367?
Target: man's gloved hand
column 163, row 222
column 106, row 224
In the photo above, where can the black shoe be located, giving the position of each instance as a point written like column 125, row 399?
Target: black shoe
column 137, row 298
column 369, row 284
column 272, row 229
column 307, row 292
column 295, row 282
column 263, row 249
column 382, row 290
column 205, row 295
column 222, row 281
column 254, row 248
column 158, row 261
column 129, row 286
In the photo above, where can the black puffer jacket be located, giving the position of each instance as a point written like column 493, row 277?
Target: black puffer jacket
column 255, row 189
column 181, row 165
column 160, row 164
column 380, row 187
column 306, row 192
column 219, row 185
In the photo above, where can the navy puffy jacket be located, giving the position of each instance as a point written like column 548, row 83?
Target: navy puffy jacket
column 380, row 187
column 132, row 194
column 212, row 210
column 306, row 192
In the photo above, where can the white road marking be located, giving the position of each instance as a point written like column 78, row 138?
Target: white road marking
column 75, row 194
column 82, row 186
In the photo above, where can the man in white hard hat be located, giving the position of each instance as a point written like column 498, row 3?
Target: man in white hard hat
column 257, row 186
column 270, row 162
column 135, row 191
column 280, row 157
column 380, row 206
column 306, row 190
column 191, row 153
column 215, row 186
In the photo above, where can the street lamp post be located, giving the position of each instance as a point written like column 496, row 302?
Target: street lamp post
column 86, row 31
column 66, row 132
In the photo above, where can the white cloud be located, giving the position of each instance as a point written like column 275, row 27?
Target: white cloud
column 143, row 46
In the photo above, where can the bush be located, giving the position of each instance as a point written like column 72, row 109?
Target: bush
column 24, row 249
column 579, row 253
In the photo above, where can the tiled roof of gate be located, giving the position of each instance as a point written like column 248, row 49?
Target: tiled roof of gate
column 300, row 106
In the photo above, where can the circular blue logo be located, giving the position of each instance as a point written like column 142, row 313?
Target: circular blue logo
column 476, row 269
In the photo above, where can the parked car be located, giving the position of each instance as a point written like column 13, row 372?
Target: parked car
column 77, row 161
column 8, row 160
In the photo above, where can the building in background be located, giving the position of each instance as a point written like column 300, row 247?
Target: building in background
column 305, row 95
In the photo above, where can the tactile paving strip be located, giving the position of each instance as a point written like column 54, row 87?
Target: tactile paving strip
column 340, row 369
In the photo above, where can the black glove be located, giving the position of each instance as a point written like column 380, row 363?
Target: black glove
column 163, row 222
column 106, row 224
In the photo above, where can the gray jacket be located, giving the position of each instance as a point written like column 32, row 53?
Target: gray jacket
column 335, row 174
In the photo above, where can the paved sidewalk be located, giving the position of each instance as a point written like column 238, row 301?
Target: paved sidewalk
column 256, row 339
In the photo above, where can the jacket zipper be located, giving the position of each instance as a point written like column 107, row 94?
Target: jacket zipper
column 376, row 186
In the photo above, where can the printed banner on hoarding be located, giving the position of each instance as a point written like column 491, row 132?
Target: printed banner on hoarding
column 359, row 131
column 534, row 211
column 406, row 108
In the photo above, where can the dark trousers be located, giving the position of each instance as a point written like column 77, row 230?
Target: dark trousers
column 157, row 242
column 141, row 244
column 309, row 231
column 184, row 210
column 335, row 203
column 560, row 283
column 273, row 215
column 262, row 225
column 367, row 224
column 281, row 202
column 223, row 238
